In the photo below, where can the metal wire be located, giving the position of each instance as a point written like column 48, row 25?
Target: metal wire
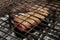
column 48, row 29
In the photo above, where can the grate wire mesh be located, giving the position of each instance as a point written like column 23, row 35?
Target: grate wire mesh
column 42, row 31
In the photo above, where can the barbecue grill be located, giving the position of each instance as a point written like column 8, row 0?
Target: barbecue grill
column 48, row 29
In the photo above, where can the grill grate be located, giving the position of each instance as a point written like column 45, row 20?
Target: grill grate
column 49, row 32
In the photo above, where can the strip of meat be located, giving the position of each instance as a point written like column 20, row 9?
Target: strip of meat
column 31, row 19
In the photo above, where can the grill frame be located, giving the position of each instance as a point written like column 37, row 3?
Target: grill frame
column 47, row 29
